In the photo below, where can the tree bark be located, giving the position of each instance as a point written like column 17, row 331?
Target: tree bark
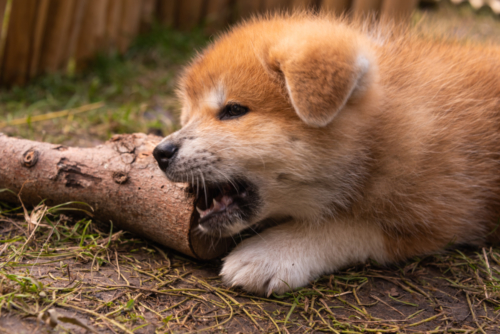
column 120, row 180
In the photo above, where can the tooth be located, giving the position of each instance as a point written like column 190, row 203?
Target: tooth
column 218, row 206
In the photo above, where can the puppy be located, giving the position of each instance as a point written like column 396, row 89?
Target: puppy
column 364, row 144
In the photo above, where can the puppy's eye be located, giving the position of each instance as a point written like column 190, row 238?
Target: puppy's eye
column 232, row 110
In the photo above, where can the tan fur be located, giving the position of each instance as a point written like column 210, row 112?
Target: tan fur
column 349, row 130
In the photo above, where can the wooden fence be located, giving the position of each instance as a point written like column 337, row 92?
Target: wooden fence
column 41, row 36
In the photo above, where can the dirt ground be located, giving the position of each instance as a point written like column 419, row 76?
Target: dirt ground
column 65, row 272
column 116, row 283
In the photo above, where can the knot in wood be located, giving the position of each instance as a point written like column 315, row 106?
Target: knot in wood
column 30, row 158
column 120, row 177
column 127, row 158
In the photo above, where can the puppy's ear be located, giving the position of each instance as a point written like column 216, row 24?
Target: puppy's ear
column 321, row 73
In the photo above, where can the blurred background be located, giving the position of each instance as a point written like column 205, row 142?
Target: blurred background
column 77, row 71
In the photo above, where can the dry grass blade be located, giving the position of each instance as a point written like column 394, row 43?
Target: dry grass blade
column 53, row 115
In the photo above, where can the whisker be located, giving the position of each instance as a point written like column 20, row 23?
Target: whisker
column 257, row 233
column 228, row 179
column 204, row 187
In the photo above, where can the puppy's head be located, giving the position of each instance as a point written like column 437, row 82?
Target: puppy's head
column 267, row 111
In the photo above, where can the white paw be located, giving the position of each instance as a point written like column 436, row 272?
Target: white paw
column 264, row 266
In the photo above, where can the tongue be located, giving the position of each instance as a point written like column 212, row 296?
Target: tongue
column 219, row 204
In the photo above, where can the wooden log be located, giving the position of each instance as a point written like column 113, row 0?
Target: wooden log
column 17, row 52
column 39, row 30
column 167, row 10
column 119, row 179
column 397, row 10
column 366, row 8
column 57, row 35
column 338, row 7
column 190, row 14
column 217, row 15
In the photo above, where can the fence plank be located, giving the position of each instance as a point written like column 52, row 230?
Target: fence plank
column 39, row 30
column 190, row 13
column 302, row 4
column 274, row 5
column 3, row 5
column 56, row 36
column 167, row 10
column 397, row 10
column 246, row 8
column 90, row 38
column 147, row 14
column 364, row 8
column 129, row 23
column 79, row 11
column 3, row 13
column 113, row 16
column 17, row 55
column 217, row 15
column 336, row 6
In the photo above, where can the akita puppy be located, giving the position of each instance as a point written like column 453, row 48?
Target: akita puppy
column 364, row 144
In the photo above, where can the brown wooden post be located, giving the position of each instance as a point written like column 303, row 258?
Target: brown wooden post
column 275, row 5
column 57, row 35
column 38, row 35
column 190, row 14
column 147, row 14
column 3, row 9
column 167, row 10
column 17, row 54
column 92, row 32
column 113, row 19
column 335, row 6
column 79, row 11
column 129, row 23
column 366, row 8
column 246, row 8
column 397, row 10
column 301, row 4
column 3, row 6
column 217, row 15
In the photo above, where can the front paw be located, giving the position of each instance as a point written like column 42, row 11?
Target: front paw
column 264, row 267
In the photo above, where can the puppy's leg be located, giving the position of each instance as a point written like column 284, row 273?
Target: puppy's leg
column 292, row 254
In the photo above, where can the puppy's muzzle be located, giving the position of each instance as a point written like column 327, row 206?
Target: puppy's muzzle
column 164, row 153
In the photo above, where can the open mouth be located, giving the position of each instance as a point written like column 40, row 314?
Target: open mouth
column 222, row 205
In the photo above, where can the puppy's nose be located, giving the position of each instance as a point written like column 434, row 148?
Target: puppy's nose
column 164, row 153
